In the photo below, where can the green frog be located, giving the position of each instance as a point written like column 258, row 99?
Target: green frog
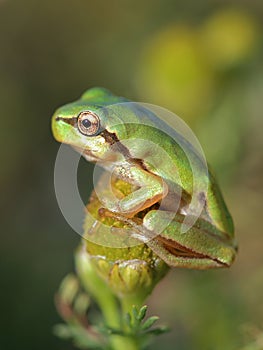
column 121, row 137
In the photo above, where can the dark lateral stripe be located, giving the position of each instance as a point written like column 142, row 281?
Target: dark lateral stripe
column 71, row 121
column 179, row 250
column 113, row 140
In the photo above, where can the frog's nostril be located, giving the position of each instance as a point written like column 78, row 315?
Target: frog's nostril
column 71, row 121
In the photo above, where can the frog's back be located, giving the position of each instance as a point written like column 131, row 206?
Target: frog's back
column 101, row 97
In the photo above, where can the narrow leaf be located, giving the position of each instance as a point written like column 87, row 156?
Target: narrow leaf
column 127, row 319
column 142, row 313
column 158, row 330
column 62, row 331
column 135, row 312
column 149, row 322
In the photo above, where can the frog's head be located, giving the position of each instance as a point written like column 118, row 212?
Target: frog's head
column 87, row 126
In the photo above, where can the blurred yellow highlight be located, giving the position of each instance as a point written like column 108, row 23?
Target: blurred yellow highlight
column 229, row 37
column 181, row 66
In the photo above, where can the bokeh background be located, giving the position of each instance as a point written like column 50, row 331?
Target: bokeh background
column 201, row 59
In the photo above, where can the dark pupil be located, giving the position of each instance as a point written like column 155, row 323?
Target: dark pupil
column 86, row 123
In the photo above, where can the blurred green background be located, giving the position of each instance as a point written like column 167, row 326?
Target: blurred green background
column 201, row 59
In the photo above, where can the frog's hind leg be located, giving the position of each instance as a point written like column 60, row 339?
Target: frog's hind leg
column 201, row 246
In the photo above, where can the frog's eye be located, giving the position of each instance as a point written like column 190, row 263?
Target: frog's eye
column 88, row 123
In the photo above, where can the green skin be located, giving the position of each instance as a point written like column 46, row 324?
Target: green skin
column 111, row 139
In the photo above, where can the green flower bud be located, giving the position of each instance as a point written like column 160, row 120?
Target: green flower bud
column 129, row 277
column 82, row 304
column 130, row 271
column 68, row 289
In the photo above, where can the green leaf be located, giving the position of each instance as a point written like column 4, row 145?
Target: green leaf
column 62, row 331
column 109, row 330
column 68, row 288
column 81, row 337
column 149, row 322
column 127, row 319
column 142, row 313
column 135, row 311
column 81, row 304
column 158, row 330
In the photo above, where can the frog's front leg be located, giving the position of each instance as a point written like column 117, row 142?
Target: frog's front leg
column 151, row 189
column 203, row 246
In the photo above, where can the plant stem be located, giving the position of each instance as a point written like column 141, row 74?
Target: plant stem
column 124, row 343
column 106, row 301
column 96, row 287
column 128, row 302
column 111, row 314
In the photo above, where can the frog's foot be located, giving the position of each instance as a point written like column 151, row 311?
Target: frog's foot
column 150, row 190
column 106, row 213
column 138, row 231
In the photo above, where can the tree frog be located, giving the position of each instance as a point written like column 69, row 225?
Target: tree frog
column 110, row 137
